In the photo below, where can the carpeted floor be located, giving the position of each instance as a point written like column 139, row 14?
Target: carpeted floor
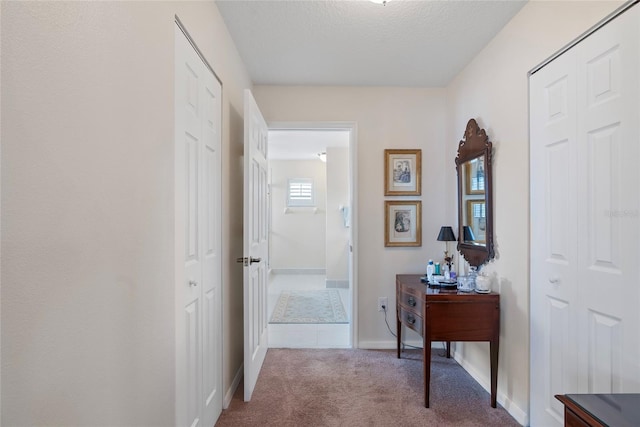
column 311, row 387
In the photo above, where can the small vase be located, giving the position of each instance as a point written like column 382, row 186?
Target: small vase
column 483, row 284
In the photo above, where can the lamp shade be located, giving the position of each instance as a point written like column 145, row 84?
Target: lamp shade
column 446, row 234
column 468, row 234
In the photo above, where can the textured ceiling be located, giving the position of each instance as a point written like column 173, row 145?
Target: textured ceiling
column 360, row 43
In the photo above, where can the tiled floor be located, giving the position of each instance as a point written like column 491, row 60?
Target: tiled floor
column 306, row 335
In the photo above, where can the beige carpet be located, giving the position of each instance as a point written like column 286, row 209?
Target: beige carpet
column 309, row 387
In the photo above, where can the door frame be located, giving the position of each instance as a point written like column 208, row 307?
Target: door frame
column 352, row 128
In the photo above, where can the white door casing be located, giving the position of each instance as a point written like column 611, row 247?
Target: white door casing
column 198, row 238
column 585, row 209
column 256, row 242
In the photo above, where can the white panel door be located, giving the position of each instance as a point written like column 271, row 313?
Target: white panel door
column 256, row 242
column 585, row 210
column 198, row 240
column 553, row 236
column 609, row 206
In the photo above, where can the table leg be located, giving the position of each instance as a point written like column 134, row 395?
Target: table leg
column 426, row 369
column 448, row 349
column 398, row 331
column 494, row 371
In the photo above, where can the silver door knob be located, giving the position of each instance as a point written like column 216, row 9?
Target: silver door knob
column 248, row 260
column 555, row 280
column 193, row 283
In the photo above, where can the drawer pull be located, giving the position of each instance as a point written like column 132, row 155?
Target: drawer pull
column 411, row 319
column 412, row 301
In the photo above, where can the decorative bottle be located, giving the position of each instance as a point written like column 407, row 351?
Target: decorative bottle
column 473, row 273
column 430, row 270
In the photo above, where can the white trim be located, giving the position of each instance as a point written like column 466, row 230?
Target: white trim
column 352, row 127
column 234, row 386
column 298, row 271
column 514, row 410
column 342, row 284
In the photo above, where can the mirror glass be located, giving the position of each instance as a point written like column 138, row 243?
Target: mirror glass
column 475, row 187
column 474, row 212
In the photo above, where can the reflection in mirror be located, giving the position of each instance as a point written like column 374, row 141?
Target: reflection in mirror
column 474, row 196
column 473, row 199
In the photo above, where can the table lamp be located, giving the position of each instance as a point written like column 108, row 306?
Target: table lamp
column 468, row 234
column 446, row 235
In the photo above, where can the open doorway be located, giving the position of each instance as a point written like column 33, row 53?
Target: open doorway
column 310, row 291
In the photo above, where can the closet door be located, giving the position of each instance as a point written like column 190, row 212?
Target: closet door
column 198, row 239
column 608, row 208
column 553, row 237
column 585, row 217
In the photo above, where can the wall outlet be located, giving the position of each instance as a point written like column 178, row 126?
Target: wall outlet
column 383, row 301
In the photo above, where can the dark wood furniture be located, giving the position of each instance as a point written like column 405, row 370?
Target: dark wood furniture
column 601, row 410
column 439, row 315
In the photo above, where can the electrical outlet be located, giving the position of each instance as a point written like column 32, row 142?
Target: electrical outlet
column 382, row 301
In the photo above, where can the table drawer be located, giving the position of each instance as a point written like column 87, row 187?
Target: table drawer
column 411, row 320
column 411, row 299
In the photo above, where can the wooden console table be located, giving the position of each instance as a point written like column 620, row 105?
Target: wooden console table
column 601, row 410
column 441, row 315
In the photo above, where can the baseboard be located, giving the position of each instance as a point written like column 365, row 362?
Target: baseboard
column 514, row 410
column 393, row 345
column 234, row 386
column 342, row 284
column 299, row 271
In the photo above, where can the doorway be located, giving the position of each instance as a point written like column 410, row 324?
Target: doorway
column 311, row 285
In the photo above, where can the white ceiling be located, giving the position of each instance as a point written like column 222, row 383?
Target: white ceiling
column 359, row 43
column 304, row 144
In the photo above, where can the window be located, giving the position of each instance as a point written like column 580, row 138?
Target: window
column 300, row 192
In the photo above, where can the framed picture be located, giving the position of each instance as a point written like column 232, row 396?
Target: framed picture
column 477, row 219
column 402, row 172
column 402, row 223
column 474, row 173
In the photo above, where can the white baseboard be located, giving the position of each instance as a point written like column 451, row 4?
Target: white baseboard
column 343, row 284
column 298, row 271
column 234, row 386
column 392, row 345
column 514, row 410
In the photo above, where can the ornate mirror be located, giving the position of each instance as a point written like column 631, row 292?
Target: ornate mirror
column 475, row 188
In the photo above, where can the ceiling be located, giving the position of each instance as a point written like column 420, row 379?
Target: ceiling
column 423, row 43
column 304, row 144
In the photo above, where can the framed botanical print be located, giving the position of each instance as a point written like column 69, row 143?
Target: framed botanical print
column 403, row 223
column 402, row 172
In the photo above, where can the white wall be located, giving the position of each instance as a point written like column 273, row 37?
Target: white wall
column 386, row 118
column 493, row 89
column 298, row 236
column 337, row 247
column 87, row 208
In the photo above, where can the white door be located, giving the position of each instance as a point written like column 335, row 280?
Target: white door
column 553, row 237
column 198, row 239
column 256, row 243
column 585, row 207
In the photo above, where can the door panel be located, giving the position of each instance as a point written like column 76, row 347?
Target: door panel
column 256, row 243
column 608, row 272
column 585, row 130
column 198, row 239
column 553, row 237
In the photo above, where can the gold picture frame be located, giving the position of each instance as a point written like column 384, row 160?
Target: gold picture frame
column 402, row 223
column 402, row 172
